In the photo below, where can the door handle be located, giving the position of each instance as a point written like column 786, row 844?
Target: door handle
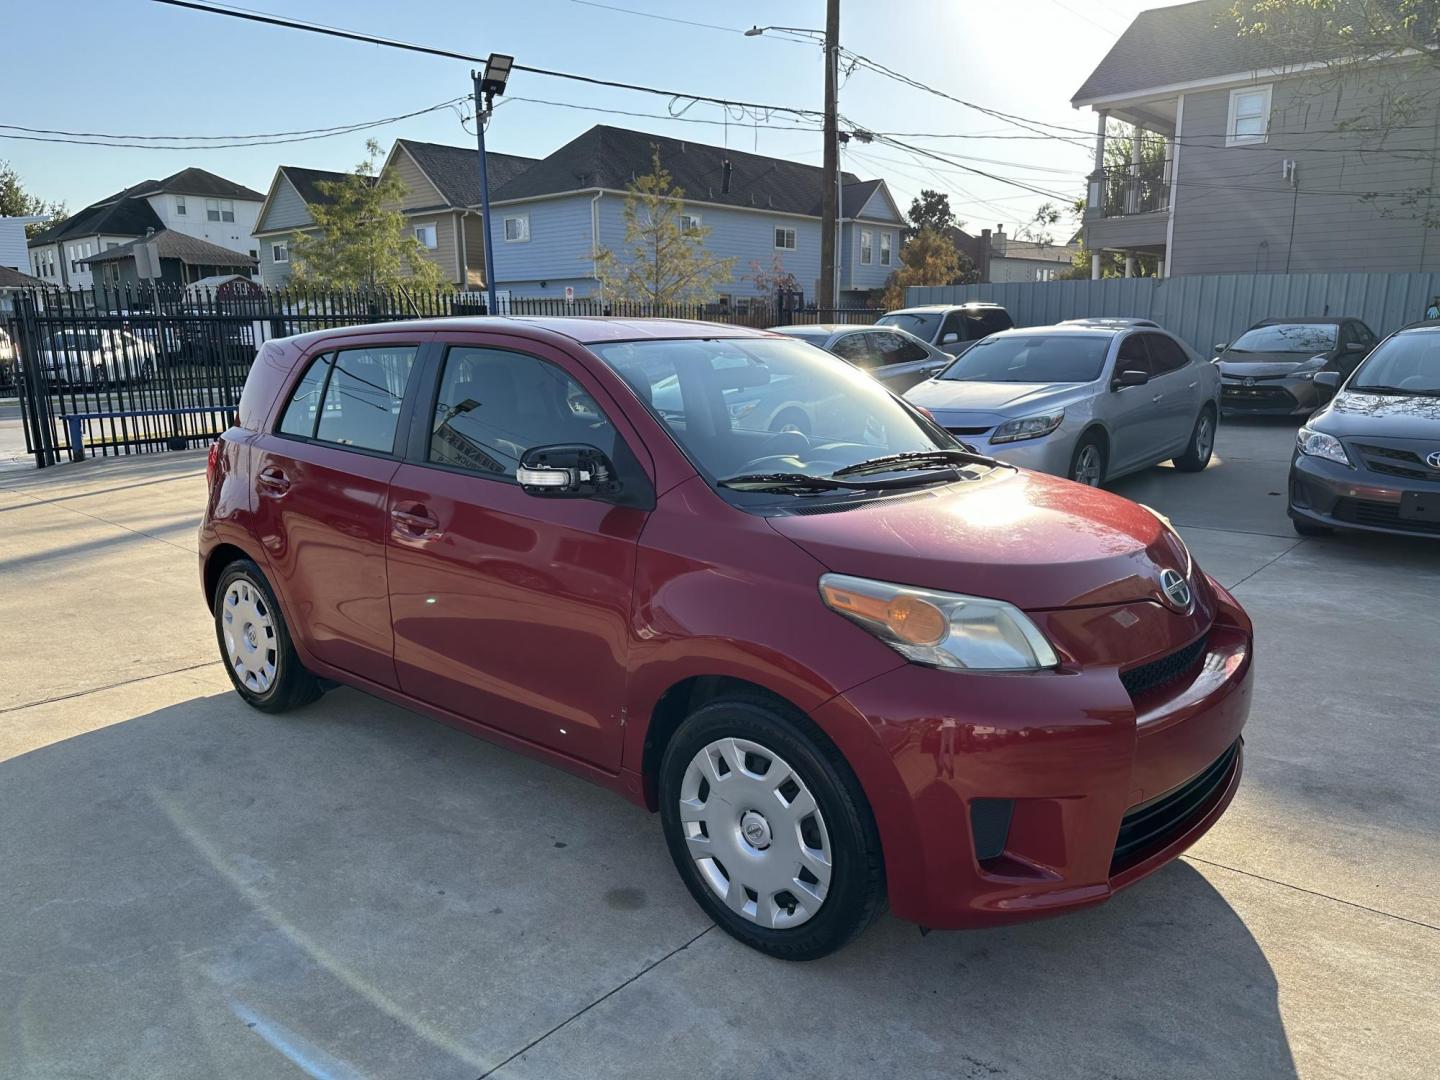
column 273, row 481
column 1156, row 398
column 1193, row 385
column 416, row 523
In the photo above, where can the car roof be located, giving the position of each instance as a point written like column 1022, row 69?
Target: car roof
column 1111, row 320
column 829, row 328
column 1423, row 326
column 989, row 304
column 1075, row 329
column 586, row 330
column 1320, row 320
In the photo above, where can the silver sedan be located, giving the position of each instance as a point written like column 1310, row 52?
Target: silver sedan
column 1088, row 402
column 897, row 358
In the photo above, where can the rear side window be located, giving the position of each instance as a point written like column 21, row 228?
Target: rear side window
column 860, row 349
column 1166, row 355
column 494, row 405
column 359, row 392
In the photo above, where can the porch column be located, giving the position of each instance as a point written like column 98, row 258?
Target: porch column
column 1095, row 266
column 1129, row 264
column 1103, row 120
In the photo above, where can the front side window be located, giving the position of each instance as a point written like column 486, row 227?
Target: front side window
column 1133, row 355
column 922, row 324
column 426, row 235
column 1166, row 354
column 886, row 242
column 1037, row 358
column 1306, row 338
column 1408, row 363
column 494, row 405
column 359, row 392
column 785, row 238
column 517, row 229
column 865, row 246
column 1249, row 116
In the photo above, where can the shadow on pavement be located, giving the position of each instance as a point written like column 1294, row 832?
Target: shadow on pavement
column 353, row 890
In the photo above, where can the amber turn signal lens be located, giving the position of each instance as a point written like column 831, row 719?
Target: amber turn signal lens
column 905, row 618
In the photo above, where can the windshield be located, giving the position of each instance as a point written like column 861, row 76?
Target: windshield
column 922, row 324
column 77, row 340
column 744, row 406
column 1307, row 338
column 1033, row 358
column 1406, row 364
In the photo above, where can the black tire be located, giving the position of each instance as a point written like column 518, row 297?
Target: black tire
column 1304, row 528
column 856, row 892
column 1202, row 443
column 1093, row 443
column 291, row 686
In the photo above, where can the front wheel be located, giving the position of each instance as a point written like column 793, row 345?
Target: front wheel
column 1201, row 446
column 255, row 642
column 1087, row 466
column 770, row 831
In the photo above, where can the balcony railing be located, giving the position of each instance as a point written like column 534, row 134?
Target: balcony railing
column 1122, row 190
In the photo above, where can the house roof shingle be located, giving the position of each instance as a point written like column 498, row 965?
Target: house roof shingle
column 1170, row 45
column 453, row 169
column 14, row 279
column 306, row 182
column 611, row 157
column 190, row 250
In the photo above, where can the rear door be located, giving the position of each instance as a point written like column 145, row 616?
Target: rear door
column 510, row 610
column 1176, row 381
column 321, row 474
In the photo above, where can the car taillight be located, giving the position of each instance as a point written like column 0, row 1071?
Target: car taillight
column 212, row 463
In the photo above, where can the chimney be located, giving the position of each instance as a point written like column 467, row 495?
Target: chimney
column 982, row 264
column 999, row 241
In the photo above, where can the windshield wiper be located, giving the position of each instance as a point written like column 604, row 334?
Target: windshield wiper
column 1380, row 388
column 801, row 483
column 914, row 459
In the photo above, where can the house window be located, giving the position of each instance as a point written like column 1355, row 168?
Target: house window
column 689, row 222
column 280, row 251
column 785, row 238
column 517, row 229
column 426, row 235
column 219, row 210
column 180, row 205
column 1044, row 273
column 1249, row 116
column 886, row 239
column 867, row 256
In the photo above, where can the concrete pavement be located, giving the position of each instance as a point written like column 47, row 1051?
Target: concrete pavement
column 188, row 887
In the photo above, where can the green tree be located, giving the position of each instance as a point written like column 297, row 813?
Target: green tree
column 15, row 201
column 931, row 210
column 361, row 240
column 663, row 262
column 927, row 258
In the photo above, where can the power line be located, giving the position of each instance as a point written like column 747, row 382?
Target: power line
column 682, row 22
column 658, row 116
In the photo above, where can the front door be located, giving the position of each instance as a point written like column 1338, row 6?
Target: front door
column 510, row 610
column 321, row 479
column 1131, row 410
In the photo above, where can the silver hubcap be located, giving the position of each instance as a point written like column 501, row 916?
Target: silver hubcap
column 1204, row 437
column 1087, row 466
column 755, row 833
column 249, row 635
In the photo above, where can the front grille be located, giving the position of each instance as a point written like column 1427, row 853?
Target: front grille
column 1396, row 462
column 1168, row 669
column 1382, row 516
column 967, row 430
column 1258, row 397
column 1153, row 824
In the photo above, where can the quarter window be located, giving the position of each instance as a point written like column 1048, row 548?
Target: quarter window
column 304, row 406
column 1249, row 116
column 494, row 405
column 785, row 239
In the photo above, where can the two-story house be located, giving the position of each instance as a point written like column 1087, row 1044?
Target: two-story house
column 193, row 202
column 441, row 206
column 551, row 220
column 1254, row 166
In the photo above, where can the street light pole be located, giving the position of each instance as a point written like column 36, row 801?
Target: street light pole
column 487, row 84
column 829, row 284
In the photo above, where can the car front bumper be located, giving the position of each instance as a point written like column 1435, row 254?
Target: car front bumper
column 1327, row 493
column 1048, row 454
column 1019, row 796
column 1270, row 397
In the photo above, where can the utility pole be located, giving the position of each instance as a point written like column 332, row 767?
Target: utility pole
column 830, row 206
column 488, row 84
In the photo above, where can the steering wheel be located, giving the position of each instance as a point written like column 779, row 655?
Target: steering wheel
column 788, row 443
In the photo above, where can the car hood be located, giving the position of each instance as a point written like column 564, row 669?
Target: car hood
column 1009, row 399
column 1254, row 364
column 1394, row 416
column 1034, row 540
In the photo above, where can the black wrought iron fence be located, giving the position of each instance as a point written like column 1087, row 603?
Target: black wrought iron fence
column 126, row 371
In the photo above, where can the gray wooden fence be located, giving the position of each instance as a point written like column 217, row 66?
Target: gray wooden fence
column 1204, row 309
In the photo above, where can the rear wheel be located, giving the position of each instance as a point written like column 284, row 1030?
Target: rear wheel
column 1202, row 444
column 255, row 642
column 1087, row 466
column 770, row 831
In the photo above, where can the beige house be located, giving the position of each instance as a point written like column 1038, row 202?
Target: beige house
column 441, row 206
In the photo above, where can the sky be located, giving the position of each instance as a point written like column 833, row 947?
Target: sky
column 139, row 68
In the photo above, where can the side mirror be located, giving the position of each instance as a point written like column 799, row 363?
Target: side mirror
column 567, row 471
column 1129, row 378
column 1356, row 347
column 950, row 338
column 1221, row 346
column 1330, row 379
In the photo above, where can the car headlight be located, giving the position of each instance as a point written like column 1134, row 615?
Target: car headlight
column 1318, row 444
column 1028, row 427
column 742, row 409
column 945, row 630
column 1308, row 369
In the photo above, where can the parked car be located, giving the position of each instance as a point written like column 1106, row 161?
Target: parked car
column 951, row 328
column 1370, row 460
column 1271, row 368
column 8, row 362
column 96, row 357
column 896, row 357
column 788, row 645
column 1087, row 402
column 1112, row 320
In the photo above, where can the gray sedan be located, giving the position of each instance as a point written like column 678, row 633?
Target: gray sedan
column 1087, row 402
column 898, row 359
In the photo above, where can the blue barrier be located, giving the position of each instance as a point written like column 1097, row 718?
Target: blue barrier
column 74, row 422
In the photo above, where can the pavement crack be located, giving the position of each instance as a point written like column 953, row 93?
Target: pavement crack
column 1313, row 892
column 1266, row 565
column 107, row 686
column 603, row 997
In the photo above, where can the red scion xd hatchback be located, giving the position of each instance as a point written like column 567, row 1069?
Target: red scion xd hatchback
column 847, row 659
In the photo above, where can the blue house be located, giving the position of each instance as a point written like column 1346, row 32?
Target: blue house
column 548, row 222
